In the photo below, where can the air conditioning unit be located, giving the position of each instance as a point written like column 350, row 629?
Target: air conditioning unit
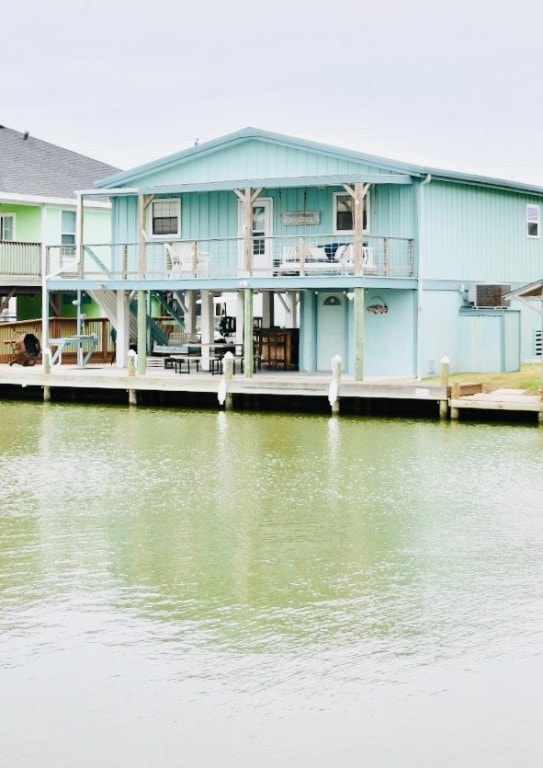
column 537, row 343
column 484, row 296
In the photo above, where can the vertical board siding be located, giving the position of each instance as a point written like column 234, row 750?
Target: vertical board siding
column 215, row 214
column 478, row 234
column 392, row 210
column 254, row 160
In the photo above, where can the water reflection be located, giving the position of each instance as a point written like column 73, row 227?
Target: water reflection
column 275, row 556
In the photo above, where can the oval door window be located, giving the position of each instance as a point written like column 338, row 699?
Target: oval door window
column 331, row 301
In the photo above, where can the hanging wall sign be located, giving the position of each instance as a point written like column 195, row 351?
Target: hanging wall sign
column 301, row 218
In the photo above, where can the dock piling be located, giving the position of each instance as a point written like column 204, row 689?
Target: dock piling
column 444, row 402
column 46, row 357
column 131, row 372
column 228, row 371
column 333, row 391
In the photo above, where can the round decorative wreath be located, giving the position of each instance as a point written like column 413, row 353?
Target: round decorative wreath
column 378, row 307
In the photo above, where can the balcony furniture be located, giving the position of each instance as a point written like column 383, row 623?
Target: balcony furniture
column 184, row 259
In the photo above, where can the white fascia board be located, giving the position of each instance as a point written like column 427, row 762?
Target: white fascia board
column 106, row 192
column 12, row 197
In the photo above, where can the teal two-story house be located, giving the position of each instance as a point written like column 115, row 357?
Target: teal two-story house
column 389, row 265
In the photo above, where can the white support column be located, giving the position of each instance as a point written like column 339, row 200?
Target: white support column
column 79, row 235
column 208, row 326
column 44, row 291
column 123, row 329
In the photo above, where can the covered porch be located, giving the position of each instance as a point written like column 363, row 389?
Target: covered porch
column 278, row 238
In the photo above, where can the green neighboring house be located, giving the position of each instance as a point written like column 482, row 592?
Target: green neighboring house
column 38, row 214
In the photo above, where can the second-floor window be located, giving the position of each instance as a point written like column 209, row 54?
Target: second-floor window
column 533, row 214
column 67, row 234
column 165, row 218
column 7, row 226
column 344, row 213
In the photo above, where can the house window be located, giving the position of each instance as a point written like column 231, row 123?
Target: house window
column 344, row 213
column 7, row 226
column 67, row 234
column 165, row 218
column 533, row 213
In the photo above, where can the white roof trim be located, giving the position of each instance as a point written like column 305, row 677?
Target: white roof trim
column 13, row 197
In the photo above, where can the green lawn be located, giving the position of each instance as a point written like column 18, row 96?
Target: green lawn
column 528, row 378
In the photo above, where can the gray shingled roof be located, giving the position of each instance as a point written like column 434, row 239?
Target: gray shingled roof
column 36, row 168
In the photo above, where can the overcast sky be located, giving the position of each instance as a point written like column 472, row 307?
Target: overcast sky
column 453, row 85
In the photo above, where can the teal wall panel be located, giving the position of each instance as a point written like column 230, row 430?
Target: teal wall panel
column 389, row 339
column 254, row 160
column 512, row 350
column 478, row 234
column 439, row 337
column 215, row 214
column 489, row 341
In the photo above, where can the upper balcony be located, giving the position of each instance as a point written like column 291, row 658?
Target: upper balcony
column 227, row 258
column 20, row 263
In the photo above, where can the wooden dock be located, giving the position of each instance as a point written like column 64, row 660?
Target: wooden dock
column 288, row 390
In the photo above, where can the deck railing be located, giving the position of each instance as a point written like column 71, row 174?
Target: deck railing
column 58, row 328
column 226, row 258
column 20, row 259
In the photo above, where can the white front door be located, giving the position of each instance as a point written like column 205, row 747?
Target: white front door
column 331, row 329
column 262, row 250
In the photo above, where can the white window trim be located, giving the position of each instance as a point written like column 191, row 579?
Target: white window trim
column 335, row 230
column 67, row 250
column 13, row 226
column 149, row 227
column 536, row 207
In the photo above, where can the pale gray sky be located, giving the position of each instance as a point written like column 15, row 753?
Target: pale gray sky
column 453, row 85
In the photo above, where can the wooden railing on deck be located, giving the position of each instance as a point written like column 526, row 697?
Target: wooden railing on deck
column 59, row 327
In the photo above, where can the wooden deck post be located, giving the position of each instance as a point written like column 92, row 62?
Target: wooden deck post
column 455, row 394
column 207, row 320
column 247, row 199
column 358, row 193
column 358, row 308
column 248, row 244
column 248, row 332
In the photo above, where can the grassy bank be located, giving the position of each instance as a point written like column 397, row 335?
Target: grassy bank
column 528, row 378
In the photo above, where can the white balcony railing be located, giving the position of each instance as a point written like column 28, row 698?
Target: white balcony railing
column 20, row 259
column 225, row 258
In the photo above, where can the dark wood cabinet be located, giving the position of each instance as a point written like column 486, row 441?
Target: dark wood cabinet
column 278, row 347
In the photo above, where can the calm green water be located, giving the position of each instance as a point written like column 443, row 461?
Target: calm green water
column 211, row 589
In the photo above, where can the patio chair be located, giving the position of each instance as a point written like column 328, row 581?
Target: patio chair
column 183, row 261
